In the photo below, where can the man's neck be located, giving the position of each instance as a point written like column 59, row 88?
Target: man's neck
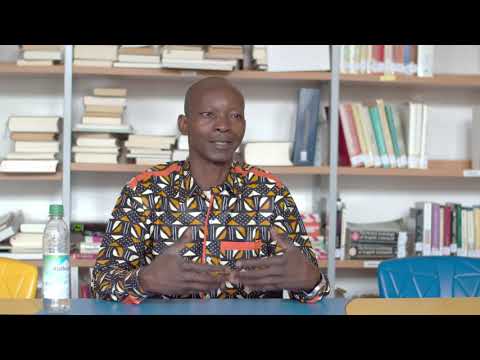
column 208, row 174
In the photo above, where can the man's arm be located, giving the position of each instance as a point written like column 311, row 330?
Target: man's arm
column 115, row 275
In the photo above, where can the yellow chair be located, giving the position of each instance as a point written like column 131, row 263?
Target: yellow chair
column 18, row 280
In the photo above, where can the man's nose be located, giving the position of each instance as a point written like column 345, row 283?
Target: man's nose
column 222, row 124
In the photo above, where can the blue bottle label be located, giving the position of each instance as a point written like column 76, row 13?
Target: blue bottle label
column 56, row 276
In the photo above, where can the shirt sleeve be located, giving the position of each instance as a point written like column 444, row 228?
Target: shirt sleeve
column 287, row 220
column 122, row 253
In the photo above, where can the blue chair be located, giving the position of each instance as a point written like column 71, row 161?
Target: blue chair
column 429, row 276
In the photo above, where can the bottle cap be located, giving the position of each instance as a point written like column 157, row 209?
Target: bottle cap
column 56, row 210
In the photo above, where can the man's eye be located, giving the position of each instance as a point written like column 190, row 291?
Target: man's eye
column 207, row 114
column 237, row 116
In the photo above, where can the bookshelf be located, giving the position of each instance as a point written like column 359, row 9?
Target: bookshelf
column 438, row 169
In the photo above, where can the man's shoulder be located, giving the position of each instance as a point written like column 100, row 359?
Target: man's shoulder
column 165, row 170
column 253, row 173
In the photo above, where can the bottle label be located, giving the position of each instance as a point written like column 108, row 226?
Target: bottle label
column 56, row 276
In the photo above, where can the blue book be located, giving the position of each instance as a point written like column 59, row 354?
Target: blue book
column 308, row 118
column 406, row 57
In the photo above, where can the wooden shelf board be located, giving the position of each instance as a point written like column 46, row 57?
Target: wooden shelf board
column 14, row 69
column 31, row 177
column 439, row 80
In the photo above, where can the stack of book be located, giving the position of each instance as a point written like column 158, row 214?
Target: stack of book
column 268, row 153
column 445, row 229
column 96, row 149
column 180, row 152
column 193, row 57
column 149, row 149
column 40, row 55
column 95, row 55
column 36, row 145
column 260, row 57
column 376, row 134
column 313, row 227
column 9, row 226
column 139, row 56
column 387, row 59
column 29, row 240
column 87, row 240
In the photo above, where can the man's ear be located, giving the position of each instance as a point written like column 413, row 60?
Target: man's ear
column 183, row 124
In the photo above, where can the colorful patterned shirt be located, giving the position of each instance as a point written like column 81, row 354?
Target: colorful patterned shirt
column 156, row 207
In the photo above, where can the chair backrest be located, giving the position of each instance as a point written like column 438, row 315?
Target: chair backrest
column 18, row 280
column 429, row 276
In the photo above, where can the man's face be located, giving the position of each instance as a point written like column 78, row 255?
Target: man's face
column 215, row 125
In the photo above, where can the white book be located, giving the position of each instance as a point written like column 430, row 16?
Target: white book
column 100, row 120
column 427, row 227
column 402, row 161
column 423, row 162
column 146, row 151
column 471, row 233
column 351, row 60
column 463, row 251
column 105, row 101
column 96, row 149
column 32, row 228
column 22, row 256
column 220, row 65
column 150, row 161
column 33, row 124
column 370, row 60
column 114, row 129
column 343, row 60
column 425, row 60
column 298, row 57
column 31, row 156
column 149, row 59
column 27, row 240
column 418, row 133
column 475, row 136
column 95, row 158
column 137, row 65
column 179, row 54
column 93, row 63
column 150, row 141
column 42, row 55
column 120, row 92
column 268, row 153
column 163, row 156
column 29, row 166
column 22, row 62
column 34, row 146
column 411, row 126
column 96, row 52
column 81, row 141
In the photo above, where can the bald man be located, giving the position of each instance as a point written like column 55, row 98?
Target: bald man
column 207, row 227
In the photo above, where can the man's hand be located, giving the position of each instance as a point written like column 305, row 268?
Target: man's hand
column 291, row 271
column 170, row 274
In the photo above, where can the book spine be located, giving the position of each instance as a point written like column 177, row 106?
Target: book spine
column 353, row 151
column 423, row 163
column 406, row 59
column 412, row 127
column 366, row 236
column 476, row 219
column 366, row 154
column 419, row 232
column 388, row 60
column 427, row 229
column 357, row 159
column 370, row 59
column 393, row 134
column 413, row 59
column 453, row 229
column 343, row 153
column 343, row 236
column 441, row 232
column 403, row 162
column 471, row 234
column 386, row 133
column 447, row 222
column 425, row 60
column 464, row 235
column 375, row 119
column 367, row 124
column 435, row 229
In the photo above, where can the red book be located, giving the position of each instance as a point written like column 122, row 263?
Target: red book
column 343, row 157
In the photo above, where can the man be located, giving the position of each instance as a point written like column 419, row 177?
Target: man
column 207, row 227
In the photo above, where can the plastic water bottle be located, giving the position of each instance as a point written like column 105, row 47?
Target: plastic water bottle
column 56, row 262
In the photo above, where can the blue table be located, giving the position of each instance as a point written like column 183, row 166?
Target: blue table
column 185, row 307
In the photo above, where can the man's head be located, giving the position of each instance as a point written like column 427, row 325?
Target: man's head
column 214, row 120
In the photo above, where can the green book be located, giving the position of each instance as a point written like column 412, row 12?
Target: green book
column 377, row 129
column 393, row 133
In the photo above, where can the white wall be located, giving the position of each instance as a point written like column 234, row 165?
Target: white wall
column 153, row 107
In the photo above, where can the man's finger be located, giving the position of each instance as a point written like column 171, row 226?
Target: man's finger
column 281, row 239
column 269, row 281
column 204, row 278
column 258, row 274
column 205, row 268
column 261, row 262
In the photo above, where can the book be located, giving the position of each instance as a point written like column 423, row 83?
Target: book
column 176, row 52
column 29, row 255
column 27, row 240
column 425, row 60
column 475, row 135
column 427, row 227
column 435, row 229
column 148, row 151
column 34, row 146
column 137, row 65
column 10, row 224
column 401, row 159
column 150, row 141
column 476, row 230
column 110, row 92
column 150, row 59
column 151, row 161
column 104, row 109
column 423, row 161
column 138, row 51
column 447, row 230
column 377, row 129
column 470, row 232
column 41, row 47
column 204, row 64
column 105, row 101
column 32, row 228
column 399, row 133
column 417, row 214
column 95, row 52
column 308, row 117
column 298, row 57
column 230, row 53
column 362, row 138
column 42, row 55
column 370, row 135
column 31, row 156
column 418, row 134
column 33, row 136
column 102, row 120
column 268, row 153
column 96, row 149
column 88, row 141
column 410, row 126
column 386, row 133
column 35, row 124
column 441, row 227
column 322, row 143
column 29, row 166
column 95, row 158
column 93, row 63
column 22, row 62
column 103, row 128
column 351, row 139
